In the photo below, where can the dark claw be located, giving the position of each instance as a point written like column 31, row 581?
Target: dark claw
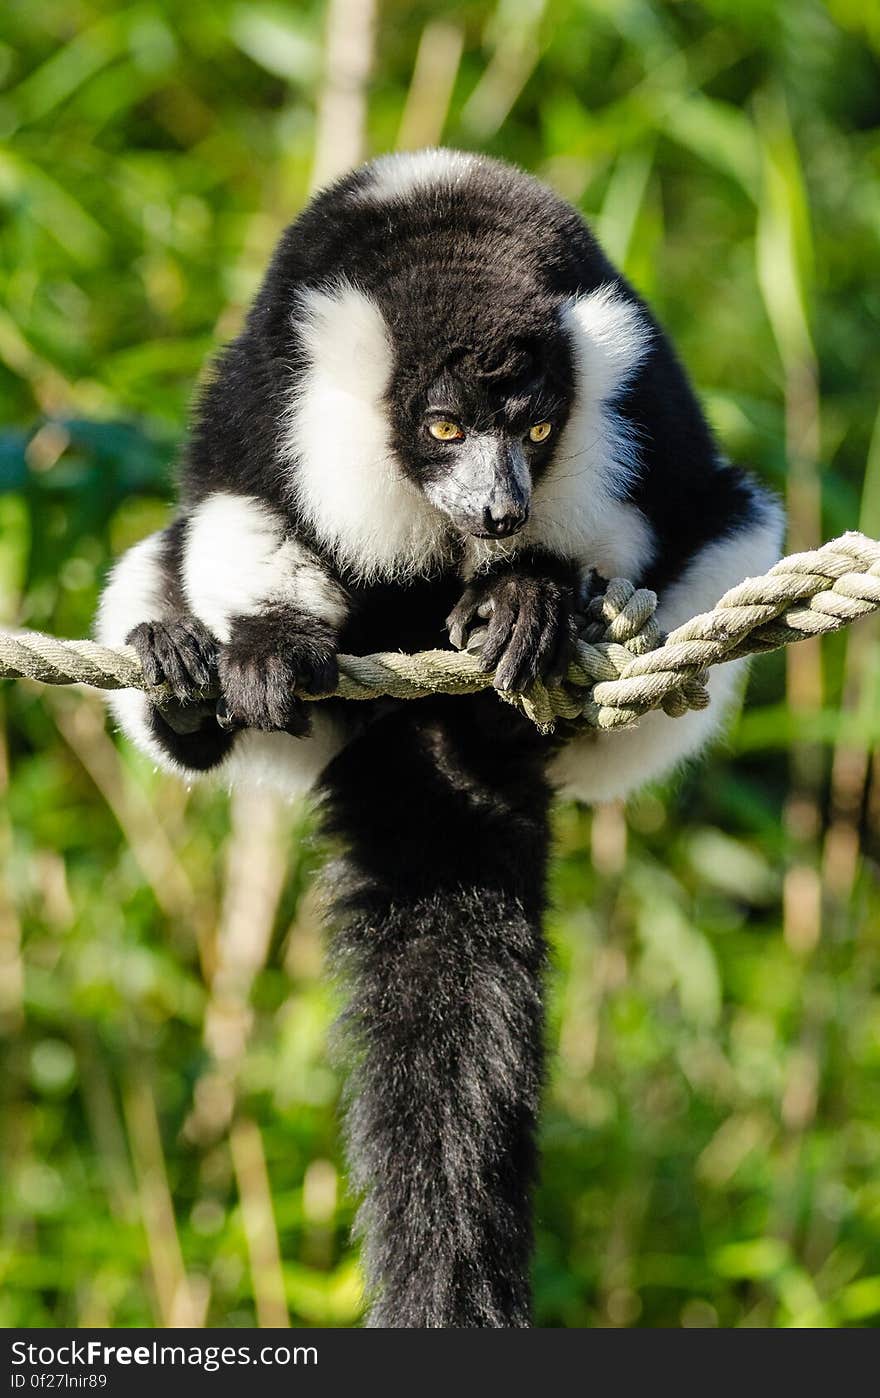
column 224, row 718
column 461, row 618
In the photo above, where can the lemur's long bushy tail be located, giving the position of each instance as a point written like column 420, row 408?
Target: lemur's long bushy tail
column 438, row 902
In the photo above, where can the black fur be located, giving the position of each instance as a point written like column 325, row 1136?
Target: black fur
column 439, row 806
column 439, row 899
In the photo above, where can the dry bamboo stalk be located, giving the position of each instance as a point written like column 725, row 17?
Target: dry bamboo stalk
column 430, row 91
column 341, row 115
column 258, row 1217
column 179, row 1304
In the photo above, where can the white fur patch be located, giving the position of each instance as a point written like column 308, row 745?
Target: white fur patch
column 608, row 766
column 134, row 593
column 343, row 473
column 237, row 560
column 576, row 509
column 397, row 176
column 281, row 762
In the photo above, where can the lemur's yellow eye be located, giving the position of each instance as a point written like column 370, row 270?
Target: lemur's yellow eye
column 541, row 431
column 445, row 431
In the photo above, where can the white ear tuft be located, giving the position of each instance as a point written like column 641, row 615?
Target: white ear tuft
column 411, row 173
column 610, row 337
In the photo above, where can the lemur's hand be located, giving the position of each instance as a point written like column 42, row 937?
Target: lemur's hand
column 266, row 658
column 529, row 626
column 181, row 653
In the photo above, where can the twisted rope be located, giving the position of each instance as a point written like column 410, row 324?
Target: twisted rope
column 623, row 666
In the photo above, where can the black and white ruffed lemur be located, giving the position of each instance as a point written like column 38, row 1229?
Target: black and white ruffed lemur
column 445, row 409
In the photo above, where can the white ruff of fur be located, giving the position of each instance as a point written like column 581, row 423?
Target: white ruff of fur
column 399, row 176
column 609, row 766
column 239, row 560
column 576, row 509
column 343, row 474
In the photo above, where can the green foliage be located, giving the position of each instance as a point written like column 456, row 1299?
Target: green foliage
column 712, row 1131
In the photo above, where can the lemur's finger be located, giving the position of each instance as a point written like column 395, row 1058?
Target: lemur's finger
column 521, row 661
column 183, row 673
column 533, row 648
column 498, row 633
column 460, row 618
column 147, row 641
column 561, row 652
column 476, row 640
column 273, row 692
column 141, row 638
column 198, row 649
column 557, row 635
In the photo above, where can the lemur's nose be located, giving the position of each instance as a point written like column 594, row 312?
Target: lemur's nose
column 503, row 520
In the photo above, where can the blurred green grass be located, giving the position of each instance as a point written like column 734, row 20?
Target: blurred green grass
column 169, row 1141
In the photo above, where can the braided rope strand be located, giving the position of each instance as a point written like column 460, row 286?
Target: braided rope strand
column 623, row 666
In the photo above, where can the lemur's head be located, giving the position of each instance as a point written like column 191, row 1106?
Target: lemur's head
column 452, row 340
column 478, row 406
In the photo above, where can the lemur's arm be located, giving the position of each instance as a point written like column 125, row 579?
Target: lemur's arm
column 226, row 592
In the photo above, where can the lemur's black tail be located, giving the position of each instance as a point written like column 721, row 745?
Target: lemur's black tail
column 439, row 905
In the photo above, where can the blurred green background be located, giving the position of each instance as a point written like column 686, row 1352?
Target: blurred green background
column 711, row 1143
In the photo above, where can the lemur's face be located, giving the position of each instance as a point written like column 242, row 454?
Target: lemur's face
column 476, row 441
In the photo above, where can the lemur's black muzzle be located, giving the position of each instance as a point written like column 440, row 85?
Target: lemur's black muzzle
column 503, row 519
